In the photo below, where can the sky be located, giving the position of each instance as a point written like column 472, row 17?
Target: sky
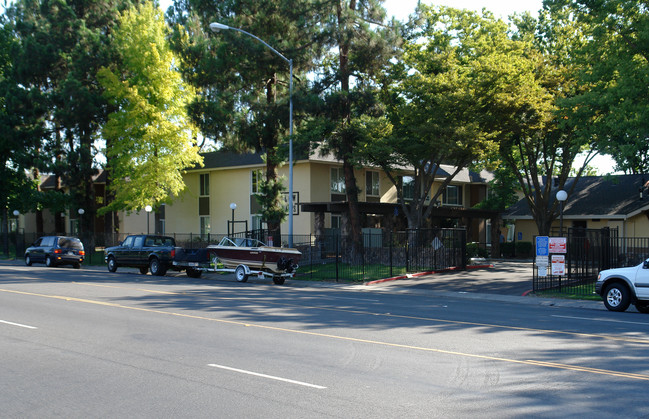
column 501, row 8
column 401, row 9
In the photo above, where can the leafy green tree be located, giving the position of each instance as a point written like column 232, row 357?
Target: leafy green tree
column 244, row 87
column 613, row 63
column 361, row 43
column 522, row 88
column 432, row 107
column 61, row 46
column 20, row 125
column 151, row 138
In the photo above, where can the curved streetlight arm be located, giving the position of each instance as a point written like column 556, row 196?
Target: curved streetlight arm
column 215, row 27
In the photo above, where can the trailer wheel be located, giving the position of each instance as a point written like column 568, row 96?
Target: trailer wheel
column 194, row 273
column 240, row 274
column 279, row 280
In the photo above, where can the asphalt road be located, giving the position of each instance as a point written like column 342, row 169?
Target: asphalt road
column 87, row 343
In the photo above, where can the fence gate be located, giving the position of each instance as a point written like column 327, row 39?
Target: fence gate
column 588, row 252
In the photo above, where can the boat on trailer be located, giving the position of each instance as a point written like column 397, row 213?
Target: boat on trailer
column 255, row 254
column 243, row 257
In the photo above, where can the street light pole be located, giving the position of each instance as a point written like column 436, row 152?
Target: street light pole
column 148, row 210
column 233, row 206
column 561, row 197
column 215, row 27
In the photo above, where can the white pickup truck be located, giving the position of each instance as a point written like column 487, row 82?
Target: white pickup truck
column 621, row 287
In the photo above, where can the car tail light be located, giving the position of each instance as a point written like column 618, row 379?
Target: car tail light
column 56, row 251
column 173, row 253
column 82, row 252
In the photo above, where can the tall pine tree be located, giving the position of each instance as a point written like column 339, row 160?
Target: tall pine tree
column 244, row 86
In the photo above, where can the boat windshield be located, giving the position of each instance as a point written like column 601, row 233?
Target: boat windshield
column 240, row 242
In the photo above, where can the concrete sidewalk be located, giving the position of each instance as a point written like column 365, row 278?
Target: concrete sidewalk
column 505, row 281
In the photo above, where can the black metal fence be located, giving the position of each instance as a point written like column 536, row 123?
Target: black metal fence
column 326, row 257
column 383, row 254
column 588, row 252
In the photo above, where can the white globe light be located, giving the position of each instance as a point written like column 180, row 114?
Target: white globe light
column 562, row 195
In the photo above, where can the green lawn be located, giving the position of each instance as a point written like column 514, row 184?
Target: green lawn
column 576, row 292
column 347, row 272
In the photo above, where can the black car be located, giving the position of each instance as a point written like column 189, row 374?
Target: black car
column 56, row 250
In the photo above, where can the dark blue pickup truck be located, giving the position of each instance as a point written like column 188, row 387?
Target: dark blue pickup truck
column 151, row 253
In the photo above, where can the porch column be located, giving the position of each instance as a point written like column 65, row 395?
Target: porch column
column 495, row 236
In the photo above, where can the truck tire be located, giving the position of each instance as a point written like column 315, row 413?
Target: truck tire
column 194, row 273
column 156, row 267
column 617, row 297
column 240, row 274
column 111, row 264
column 144, row 270
column 642, row 306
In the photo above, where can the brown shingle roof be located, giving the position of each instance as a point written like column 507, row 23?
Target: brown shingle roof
column 611, row 196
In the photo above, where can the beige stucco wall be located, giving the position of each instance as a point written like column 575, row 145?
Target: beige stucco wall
column 302, row 183
column 637, row 226
column 234, row 186
column 527, row 228
column 135, row 222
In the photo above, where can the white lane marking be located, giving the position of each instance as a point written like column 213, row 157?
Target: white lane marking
column 266, row 376
column 18, row 324
column 600, row 320
column 357, row 299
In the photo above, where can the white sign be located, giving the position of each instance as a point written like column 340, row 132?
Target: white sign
column 296, row 201
column 558, row 244
column 542, row 261
column 558, row 265
column 542, row 270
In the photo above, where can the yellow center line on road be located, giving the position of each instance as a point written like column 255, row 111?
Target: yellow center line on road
column 399, row 316
column 528, row 362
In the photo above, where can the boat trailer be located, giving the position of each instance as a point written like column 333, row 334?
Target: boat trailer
column 241, row 272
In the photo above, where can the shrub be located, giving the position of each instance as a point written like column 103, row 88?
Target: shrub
column 475, row 250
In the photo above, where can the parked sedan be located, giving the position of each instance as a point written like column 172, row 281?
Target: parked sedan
column 56, row 250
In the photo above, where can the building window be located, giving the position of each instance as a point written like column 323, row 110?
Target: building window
column 408, row 187
column 204, row 195
column 205, row 185
column 337, row 180
column 257, row 222
column 335, row 221
column 206, row 226
column 452, row 195
column 372, row 183
column 256, row 177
